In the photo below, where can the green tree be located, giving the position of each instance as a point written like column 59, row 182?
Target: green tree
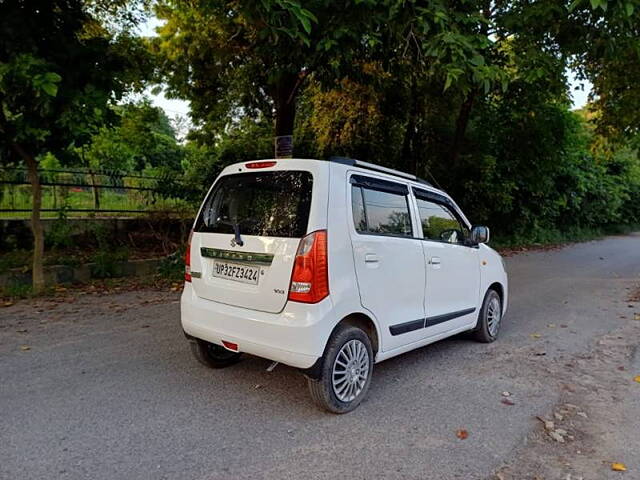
column 252, row 59
column 141, row 137
column 600, row 39
column 148, row 132
column 59, row 71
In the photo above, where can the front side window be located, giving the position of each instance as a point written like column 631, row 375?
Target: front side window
column 439, row 224
column 268, row 204
column 380, row 212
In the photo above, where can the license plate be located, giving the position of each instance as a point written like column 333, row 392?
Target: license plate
column 236, row 272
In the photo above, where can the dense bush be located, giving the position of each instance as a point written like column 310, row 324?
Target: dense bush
column 533, row 169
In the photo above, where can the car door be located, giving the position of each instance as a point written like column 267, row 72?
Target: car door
column 452, row 266
column 389, row 260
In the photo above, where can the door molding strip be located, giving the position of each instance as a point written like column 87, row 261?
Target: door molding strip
column 435, row 320
column 406, row 327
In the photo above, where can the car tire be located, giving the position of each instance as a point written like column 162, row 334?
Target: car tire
column 212, row 355
column 489, row 318
column 345, row 371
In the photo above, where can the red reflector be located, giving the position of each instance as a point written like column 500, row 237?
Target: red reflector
column 259, row 164
column 230, row 346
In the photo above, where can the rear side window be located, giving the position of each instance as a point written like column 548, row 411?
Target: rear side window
column 267, row 204
column 380, row 212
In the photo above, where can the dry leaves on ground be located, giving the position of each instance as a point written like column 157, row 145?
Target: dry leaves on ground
column 618, row 467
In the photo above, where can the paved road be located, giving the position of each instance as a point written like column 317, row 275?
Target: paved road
column 109, row 390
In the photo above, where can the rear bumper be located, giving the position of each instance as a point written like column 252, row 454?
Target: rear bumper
column 296, row 336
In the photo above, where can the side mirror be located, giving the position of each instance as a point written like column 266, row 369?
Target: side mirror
column 479, row 234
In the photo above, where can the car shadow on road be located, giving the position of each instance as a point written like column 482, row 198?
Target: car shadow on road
column 284, row 391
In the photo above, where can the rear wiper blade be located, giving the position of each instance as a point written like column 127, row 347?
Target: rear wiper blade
column 236, row 231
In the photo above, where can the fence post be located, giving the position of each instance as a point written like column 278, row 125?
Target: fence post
column 96, row 194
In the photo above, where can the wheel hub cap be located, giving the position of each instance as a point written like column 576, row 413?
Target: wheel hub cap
column 350, row 370
column 494, row 315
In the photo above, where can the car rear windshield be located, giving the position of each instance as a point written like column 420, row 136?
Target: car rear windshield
column 266, row 204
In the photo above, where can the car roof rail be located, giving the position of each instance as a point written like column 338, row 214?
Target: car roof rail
column 352, row 162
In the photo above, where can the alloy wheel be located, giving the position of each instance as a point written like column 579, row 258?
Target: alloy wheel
column 350, row 370
column 494, row 315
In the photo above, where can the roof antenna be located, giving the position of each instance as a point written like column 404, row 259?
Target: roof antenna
column 434, row 179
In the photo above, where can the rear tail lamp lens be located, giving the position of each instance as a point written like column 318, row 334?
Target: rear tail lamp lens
column 187, row 259
column 310, row 278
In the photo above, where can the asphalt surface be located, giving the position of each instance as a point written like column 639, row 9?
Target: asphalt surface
column 108, row 388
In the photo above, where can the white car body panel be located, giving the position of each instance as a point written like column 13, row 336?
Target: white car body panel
column 453, row 285
column 400, row 287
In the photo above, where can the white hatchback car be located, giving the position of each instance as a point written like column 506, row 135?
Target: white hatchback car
column 332, row 266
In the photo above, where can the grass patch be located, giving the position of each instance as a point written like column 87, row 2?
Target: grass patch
column 22, row 259
column 137, row 202
column 17, row 290
column 15, row 259
column 171, row 269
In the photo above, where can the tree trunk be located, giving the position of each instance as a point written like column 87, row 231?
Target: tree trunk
column 461, row 126
column 96, row 193
column 36, row 224
column 465, row 109
column 286, row 92
column 409, row 153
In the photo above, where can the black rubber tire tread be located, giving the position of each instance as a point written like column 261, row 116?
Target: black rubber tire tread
column 321, row 389
column 481, row 332
column 204, row 352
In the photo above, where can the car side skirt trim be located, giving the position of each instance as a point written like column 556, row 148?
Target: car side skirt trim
column 406, row 327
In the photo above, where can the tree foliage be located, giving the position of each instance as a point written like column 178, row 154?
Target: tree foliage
column 141, row 138
column 57, row 75
column 59, row 71
column 471, row 93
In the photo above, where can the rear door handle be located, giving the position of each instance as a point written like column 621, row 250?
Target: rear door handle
column 371, row 258
column 434, row 261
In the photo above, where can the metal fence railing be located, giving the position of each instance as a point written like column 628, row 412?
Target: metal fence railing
column 87, row 191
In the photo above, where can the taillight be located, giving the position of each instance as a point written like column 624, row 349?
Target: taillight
column 187, row 259
column 310, row 279
column 260, row 164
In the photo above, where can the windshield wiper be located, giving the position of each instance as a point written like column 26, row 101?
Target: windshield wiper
column 236, row 231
